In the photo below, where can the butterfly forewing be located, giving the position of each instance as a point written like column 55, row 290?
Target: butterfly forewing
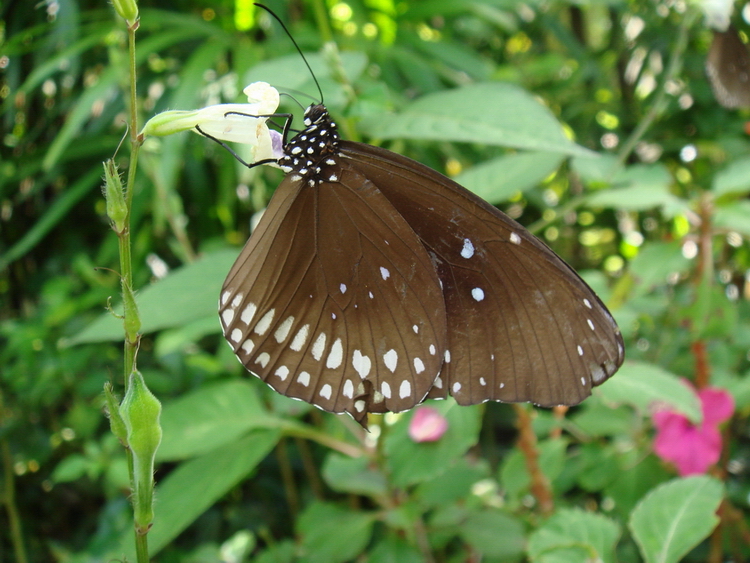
column 522, row 325
column 335, row 301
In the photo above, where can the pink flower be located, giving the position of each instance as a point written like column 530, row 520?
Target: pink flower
column 427, row 425
column 693, row 449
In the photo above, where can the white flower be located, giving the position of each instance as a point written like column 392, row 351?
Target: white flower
column 236, row 123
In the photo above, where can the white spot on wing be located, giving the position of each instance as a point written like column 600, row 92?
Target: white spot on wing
column 265, row 322
column 405, row 389
column 325, row 391
column 482, row 381
column 432, row 350
column 447, row 356
column 300, row 338
column 468, row 250
column 361, row 363
column 342, row 287
column 587, row 303
column 591, row 324
column 456, row 387
column 385, row 389
column 282, row 372
column 227, row 315
column 303, row 379
column 225, row 297
column 415, row 328
column 391, row 360
column 418, row 365
column 248, row 313
column 384, row 273
column 477, row 293
column 359, row 405
column 319, row 346
column 580, row 351
column 237, row 300
column 336, row 355
column 514, row 238
column 283, row 331
column 348, row 389
column 247, row 346
column 236, row 335
column 263, row 359
column 438, row 382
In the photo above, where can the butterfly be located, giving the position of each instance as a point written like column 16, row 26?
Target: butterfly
column 373, row 282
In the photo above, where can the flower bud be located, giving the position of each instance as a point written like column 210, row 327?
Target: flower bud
column 131, row 316
column 126, row 9
column 113, row 410
column 140, row 412
column 427, row 425
column 117, row 210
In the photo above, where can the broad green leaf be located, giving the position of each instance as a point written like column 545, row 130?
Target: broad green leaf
column 644, row 385
column 634, row 198
column 734, row 179
column 186, row 294
column 497, row 180
column 656, row 262
column 494, row 533
column 281, row 552
column 581, row 536
column 210, row 417
column 637, row 475
column 411, row 462
column 514, row 119
column 733, row 216
column 333, row 535
column 514, row 475
column 353, row 475
column 675, row 517
column 596, row 419
column 188, row 491
column 392, row 549
column 454, row 484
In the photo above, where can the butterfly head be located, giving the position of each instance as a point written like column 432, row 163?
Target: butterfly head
column 310, row 155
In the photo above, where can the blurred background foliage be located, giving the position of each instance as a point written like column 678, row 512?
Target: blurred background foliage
column 654, row 214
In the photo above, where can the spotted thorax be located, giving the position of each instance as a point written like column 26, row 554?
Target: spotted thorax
column 229, row 122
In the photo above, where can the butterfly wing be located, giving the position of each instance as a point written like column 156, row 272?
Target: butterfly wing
column 335, row 301
column 522, row 325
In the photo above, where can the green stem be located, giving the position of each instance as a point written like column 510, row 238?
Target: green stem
column 126, row 262
column 9, row 500
column 321, row 18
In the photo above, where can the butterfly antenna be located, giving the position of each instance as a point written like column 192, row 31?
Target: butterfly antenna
column 281, row 23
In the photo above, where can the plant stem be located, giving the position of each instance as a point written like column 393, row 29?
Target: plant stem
column 527, row 443
column 8, row 497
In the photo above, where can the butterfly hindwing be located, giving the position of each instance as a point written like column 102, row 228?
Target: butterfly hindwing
column 522, row 325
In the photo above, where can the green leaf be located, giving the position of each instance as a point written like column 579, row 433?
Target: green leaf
column 655, row 262
column 733, row 216
column 333, row 535
column 411, row 462
column 494, row 533
column 194, row 486
column 514, row 475
column 499, row 179
column 454, row 484
column 581, row 536
column 514, row 119
column 185, row 295
column 675, row 517
column 353, row 475
column 392, row 549
column 643, row 385
column 734, row 179
column 210, row 417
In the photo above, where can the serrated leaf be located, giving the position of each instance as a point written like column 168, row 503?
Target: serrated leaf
column 494, row 533
column 333, row 535
column 210, row 417
column 592, row 537
column 498, row 179
column 514, row 119
column 353, row 475
column 411, row 462
column 675, row 517
column 644, row 385
column 734, row 179
column 185, row 295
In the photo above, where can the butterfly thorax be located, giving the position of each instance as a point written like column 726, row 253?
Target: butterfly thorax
column 311, row 153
